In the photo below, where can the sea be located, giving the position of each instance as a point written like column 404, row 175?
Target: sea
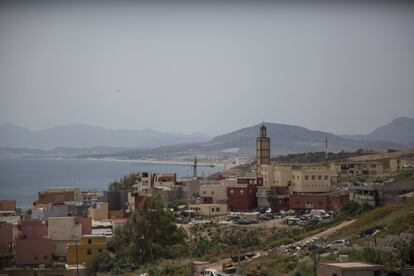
column 22, row 178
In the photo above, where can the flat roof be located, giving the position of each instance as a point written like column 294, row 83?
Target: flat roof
column 353, row 265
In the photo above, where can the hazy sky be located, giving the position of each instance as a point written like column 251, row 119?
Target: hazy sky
column 186, row 66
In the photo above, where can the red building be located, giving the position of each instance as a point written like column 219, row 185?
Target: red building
column 33, row 251
column 7, row 205
column 86, row 225
column 6, row 237
column 32, row 229
column 327, row 201
column 279, row 198
column 241, row 197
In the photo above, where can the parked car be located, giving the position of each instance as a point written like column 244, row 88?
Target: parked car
column 243, row 221
column 210, row 272
column 338, row 244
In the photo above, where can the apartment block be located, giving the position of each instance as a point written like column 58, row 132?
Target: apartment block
column 213, row 193
column 313, row 181
column 86, row 249
column 357, row 168
column 241, row 197
column 325, row 201
column 165, row 180
column 400, row 163
column 62, row 230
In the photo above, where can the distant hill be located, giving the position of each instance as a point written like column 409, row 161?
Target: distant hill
column 399, row 131
column 86, row 136
column 242, row 142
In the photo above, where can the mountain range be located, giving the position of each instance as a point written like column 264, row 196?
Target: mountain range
column 84, row 140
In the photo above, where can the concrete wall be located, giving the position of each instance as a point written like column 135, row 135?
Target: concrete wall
column 33, row 229
column 215, row 191
column 6, row 237
column 7, row 205
column 100, row 212
column 312, row 181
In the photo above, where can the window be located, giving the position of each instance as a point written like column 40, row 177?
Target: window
column 217, row 209
column 306, row 177
column 326, row 177
column 212, row 192
column 313, row 177
column 89, row 252
column 204, row 192
column 319, row 177
column 241, row 192
column 231, row 191
column 100, row 250
column 89, row 241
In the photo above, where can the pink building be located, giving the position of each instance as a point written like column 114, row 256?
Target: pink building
column 86, row 225
column 6, row 237
column 33, row 251
column 33, row 229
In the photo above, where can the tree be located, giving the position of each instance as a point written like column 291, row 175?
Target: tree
column 125, row 183
column 403, row 252
column 149, row 235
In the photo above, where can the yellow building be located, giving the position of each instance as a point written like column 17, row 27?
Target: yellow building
column 355, row 168
column 209, row 210
column 300, row 178
column 313, row 181
column 100, row 212
column 86, row 249
column 217, row 192
column 399, row 163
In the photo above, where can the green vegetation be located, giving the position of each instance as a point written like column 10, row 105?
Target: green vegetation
column 149, row 236
column 269, row 265
column 397, row 218
column 125, row 183
column 407, row 173
column 315, row 157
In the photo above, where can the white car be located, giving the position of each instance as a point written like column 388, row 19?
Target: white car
column 338, row 244
column 211, row 272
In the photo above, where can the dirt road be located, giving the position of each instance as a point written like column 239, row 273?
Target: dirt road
column 325, row 233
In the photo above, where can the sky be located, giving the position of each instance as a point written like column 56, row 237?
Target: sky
column 206, row 66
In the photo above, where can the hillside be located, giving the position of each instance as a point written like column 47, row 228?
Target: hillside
column 242, row 142
column 399, row 131
column 85, row 136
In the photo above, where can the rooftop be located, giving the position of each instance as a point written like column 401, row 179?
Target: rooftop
column 354, row 265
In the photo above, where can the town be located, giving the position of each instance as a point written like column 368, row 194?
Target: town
column 332, row 216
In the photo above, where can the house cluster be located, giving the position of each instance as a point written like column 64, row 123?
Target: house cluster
column 69, row 226
column 60, row 235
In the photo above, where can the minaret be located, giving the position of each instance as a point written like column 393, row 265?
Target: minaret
column 195, row 167
column 262, row 149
